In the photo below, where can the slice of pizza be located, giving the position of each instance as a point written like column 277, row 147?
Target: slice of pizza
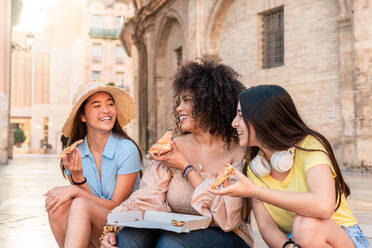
column 177, row 223
column 163, row 145
column 227, row 172
column 70, row 148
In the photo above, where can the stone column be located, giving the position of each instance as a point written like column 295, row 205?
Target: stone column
column 4, row 128
column 142, row 95
column 362, row 14
column 152, row 100
column 5, row 31
column 355, row 56
column 347, row 87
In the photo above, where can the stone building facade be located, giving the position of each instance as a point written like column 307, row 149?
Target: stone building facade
column 325, row 60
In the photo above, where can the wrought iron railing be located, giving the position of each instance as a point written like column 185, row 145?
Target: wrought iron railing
column 103, row 33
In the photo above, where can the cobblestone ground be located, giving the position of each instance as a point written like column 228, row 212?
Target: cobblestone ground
column 24, row 222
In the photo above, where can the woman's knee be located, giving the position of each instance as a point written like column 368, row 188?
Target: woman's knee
column 304, row 230
column 60, row 212
column 80, row 204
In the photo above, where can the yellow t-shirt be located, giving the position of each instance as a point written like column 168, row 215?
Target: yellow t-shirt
column 296, row 182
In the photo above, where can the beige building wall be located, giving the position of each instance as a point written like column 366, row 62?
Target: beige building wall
column 42, row 77
column 21, row 59
column 327, row 54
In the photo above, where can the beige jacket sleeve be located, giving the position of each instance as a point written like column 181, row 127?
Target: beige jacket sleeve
column 225, row 210
column 151, row 193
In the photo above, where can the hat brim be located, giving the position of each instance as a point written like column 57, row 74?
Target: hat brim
column 125, row 109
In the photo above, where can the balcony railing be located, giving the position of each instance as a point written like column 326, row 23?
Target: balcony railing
column 96, row 59
column 119, row 60
column 103, row 33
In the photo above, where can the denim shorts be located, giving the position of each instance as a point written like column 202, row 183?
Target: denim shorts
column 355, row 233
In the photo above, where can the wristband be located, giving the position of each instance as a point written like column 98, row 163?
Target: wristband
column 79, row 183
column 107, row 229
column 187, row 170
column 287, row 243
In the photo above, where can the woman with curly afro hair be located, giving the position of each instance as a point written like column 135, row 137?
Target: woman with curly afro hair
column 205, row 101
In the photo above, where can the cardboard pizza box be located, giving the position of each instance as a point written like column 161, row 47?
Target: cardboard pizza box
column 158, row 220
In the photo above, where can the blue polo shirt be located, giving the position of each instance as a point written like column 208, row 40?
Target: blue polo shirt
column 120, row 157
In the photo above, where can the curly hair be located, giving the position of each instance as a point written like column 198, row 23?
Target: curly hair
column 216, row 90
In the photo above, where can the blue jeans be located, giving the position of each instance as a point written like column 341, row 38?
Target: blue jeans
column 148, row 238
column 357, row 236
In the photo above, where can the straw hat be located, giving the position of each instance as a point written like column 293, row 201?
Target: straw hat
column 123, row 101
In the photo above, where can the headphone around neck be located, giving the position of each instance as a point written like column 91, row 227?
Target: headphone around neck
column 281, row 161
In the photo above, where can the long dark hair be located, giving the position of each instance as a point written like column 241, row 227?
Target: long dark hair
column 277, row 124
column 79, row 130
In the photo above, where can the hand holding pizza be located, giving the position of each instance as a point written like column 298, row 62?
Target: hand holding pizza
column 223, row 176
column 242, row 188
column 173, row 159
column 73, row 164
column 163, row 145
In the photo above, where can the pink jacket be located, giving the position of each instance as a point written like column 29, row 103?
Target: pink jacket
column 164, row 189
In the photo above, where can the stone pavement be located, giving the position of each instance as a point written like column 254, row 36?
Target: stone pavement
column 24, row 223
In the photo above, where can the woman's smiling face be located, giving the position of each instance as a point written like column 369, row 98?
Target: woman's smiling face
column 246, row 134
column 184, row 111
column 100, row 112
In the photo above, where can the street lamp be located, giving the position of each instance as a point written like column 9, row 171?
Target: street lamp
column 29, row 40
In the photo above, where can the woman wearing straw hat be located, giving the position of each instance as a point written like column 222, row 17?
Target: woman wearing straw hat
column 103, row 170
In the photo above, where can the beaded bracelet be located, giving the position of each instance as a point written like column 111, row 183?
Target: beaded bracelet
column 287, row 243
column 108, row 229
column 187, row 170
column 78, row 183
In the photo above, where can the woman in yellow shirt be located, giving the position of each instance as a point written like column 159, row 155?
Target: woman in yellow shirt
column 297, row 186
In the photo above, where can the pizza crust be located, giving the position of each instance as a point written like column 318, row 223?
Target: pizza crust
column 70, row 148
column 163, row 145
column 227, row 172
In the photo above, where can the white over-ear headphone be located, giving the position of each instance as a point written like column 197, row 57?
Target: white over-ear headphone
column 281, row 161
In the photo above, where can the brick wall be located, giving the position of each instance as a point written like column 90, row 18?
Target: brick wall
column 311, row 57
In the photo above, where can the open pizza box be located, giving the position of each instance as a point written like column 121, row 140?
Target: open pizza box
column 158, row 220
